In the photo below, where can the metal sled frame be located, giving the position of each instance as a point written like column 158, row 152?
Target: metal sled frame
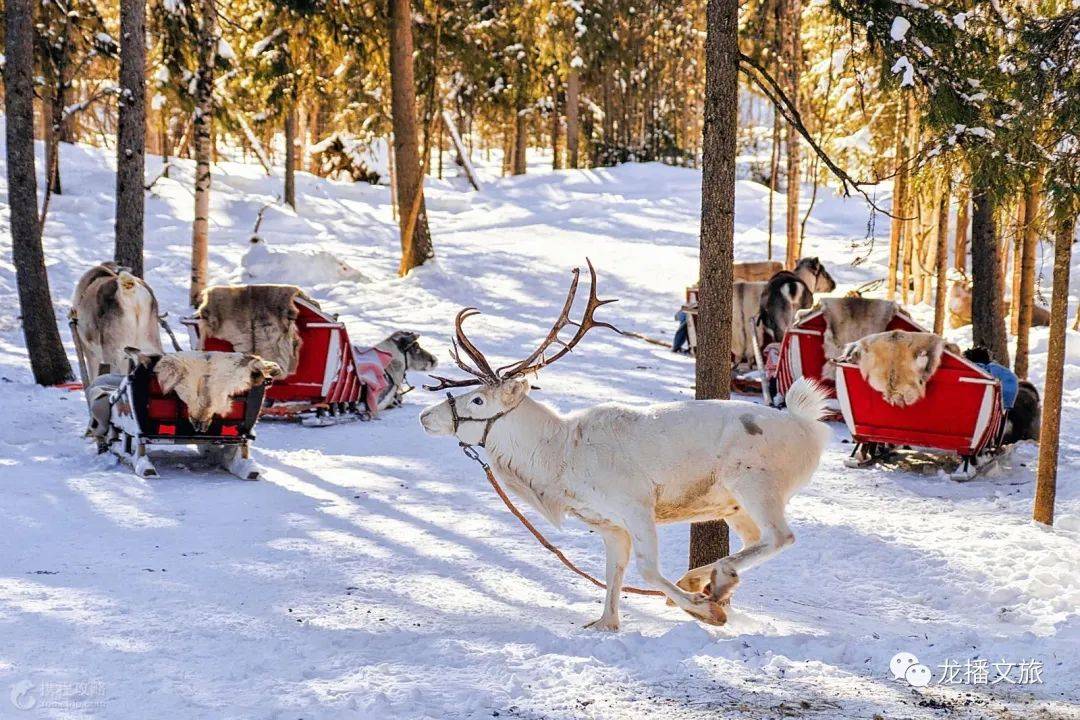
column 325, row 388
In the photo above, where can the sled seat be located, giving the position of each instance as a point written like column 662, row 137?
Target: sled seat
column 802, row 353
column 326, row 379
column 160, row 417
column 961, row 413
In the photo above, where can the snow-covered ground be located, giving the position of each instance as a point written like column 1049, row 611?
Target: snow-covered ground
column 373, row 574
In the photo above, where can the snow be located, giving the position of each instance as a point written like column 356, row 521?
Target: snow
column 373, row 574
column 903, row 65
column 899, row 28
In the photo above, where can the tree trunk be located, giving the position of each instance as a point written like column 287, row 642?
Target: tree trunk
column 48, row 362
column 1046, row 479
column 52, row 141
column 1017, row 258
column 203, row 129
column 709, row 541
column 131, row 137
column 290, row 157
column 896, row 227
column 1026, row 294
column 415, row 245
column 987, row 317
column 942, row 264
column 556, row 125
column 791, row 52
column 774, row 172
column 572, row 130
column 963, row 222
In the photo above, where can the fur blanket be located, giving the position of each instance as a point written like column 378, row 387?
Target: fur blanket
column 898, row 364
column 207, row 381
column 848, row 319
column 256, row 319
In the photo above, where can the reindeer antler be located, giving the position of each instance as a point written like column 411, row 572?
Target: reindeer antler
column 538, row 358
column 482, row 372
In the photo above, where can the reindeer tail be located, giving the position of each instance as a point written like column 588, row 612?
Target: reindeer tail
column 806, row 400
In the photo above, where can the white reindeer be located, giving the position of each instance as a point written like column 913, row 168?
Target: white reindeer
column 622, row 470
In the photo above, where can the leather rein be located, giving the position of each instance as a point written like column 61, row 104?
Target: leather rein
column 471, row 453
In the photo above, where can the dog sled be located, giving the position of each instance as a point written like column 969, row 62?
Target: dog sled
column 961, row 413
column 326, row 385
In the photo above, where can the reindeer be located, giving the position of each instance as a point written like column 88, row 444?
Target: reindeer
column 624, row 470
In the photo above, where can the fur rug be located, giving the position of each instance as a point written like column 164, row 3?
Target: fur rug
column 849, row 319
column 207, row 381
column 256, row 319
column 898, row 364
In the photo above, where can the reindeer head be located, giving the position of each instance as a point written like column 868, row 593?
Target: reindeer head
column 469, row 417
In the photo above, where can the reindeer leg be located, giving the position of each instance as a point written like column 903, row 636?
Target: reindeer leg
column 774, row 535
column 617, row 545
column 697, row 579
column 699, row 605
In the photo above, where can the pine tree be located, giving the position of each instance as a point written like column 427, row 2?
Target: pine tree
column 131, row 136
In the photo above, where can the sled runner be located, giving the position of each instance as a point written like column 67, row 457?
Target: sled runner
column 325, row 387
column 961, row 413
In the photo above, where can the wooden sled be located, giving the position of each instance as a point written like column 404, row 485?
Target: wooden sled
column 325, row 388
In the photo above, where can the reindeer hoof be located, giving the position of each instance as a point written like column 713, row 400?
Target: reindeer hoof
column 723, row 584
column 708, row 611
column 604, row 625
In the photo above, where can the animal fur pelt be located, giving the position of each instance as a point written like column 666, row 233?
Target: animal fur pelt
column 256, row 319
column 897, row 363
column 848, row 319
column 113, row 309
column 207, row 381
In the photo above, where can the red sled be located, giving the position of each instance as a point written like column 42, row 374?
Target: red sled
column 326, row 386
column 961, row 413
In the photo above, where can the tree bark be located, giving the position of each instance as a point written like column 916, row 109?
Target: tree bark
column 572, row 129
column 1026, row 294
column 709, row 541
column 774, row 172
column 899, row 203
column 416, row 246
column 1017, row 258
column 987, row 316
column 556, row 125
column 131, row 137
column 290, row 157
column 48, row 361
column 1049, row 438
column 203, row 130
column 791, row 51
column 963, row 223
column 942, row 264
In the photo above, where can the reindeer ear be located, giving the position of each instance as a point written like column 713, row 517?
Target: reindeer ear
column 512, row 392
column 169, row 373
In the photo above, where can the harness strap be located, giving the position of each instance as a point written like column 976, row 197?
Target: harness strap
column 471, row 452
